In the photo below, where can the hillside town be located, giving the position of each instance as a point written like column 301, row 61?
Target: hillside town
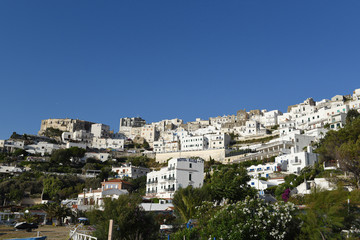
column 172, row 169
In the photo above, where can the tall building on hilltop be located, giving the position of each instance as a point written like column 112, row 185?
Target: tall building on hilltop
column 65, row 125
column 131, row 122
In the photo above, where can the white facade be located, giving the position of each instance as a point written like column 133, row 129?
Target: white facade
column 318, row 183
column 42, row 148
column 12, row 144
column 356, row 94
column 261, row 184
column 263, row 170
column 296, row 161
column 166, row 146
column 100, row 130
column 218, row 140
column 127, row 170
column 105, row 143
column 10, row 169
column 179, row 173
column 77, row 136
column 355, row 104
column 94, row 199
column 337, row 121
column 271, row 118
column 252, row 127
column 194, row 143
column 76, row 144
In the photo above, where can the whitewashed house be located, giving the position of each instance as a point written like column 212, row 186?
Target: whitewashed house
column 100, row 130
column 218, row 140
column 295, row 161
column 180, row 173
column 128, row 170
column 194, row 143
column 310, row 185
column 261, row 184
column 41, row 148
column 263, row 170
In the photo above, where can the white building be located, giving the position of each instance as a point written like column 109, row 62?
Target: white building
column 106, row 143
column 76, row 144
column 41, row 148
column 11, row 169
column 194, row 143
column 78, row 136
column 218, row 140
column 10, row 145
column 337, row 120
column 263, row 170
column 309, row 185
column 356, row 94
column 100, row 130
column 261, row 184
column 296, row 161
column 271, row 118
column 253, row 127
column 127, row 170
column 94, row 199
column 166, row 146
column 179, row 173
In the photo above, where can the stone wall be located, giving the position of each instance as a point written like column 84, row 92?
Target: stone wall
column 216, row 154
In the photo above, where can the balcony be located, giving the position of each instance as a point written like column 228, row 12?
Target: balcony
column 171, row 178
column 169, row 189
column 152, row 181
column 150, row 192
column 171, row 168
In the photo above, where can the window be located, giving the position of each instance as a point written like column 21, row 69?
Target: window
column 190, row 165
column 189, row 176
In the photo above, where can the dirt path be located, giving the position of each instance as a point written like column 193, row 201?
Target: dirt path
column 52, row 233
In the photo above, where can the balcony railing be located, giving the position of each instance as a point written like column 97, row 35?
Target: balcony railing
column 152, row 191
column 169, row 189
column 171, row 168
column 152, row 181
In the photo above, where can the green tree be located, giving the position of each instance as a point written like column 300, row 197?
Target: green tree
column 130, row 220
column 187, row 199
column 351, row 116
column 327, row 214
column 53, row 133
column 57, row 211
column 52, row 185
column 349, row 157
column 230, row 183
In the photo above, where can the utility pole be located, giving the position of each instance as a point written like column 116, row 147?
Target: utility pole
column 110, row 229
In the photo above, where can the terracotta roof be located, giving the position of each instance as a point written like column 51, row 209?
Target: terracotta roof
column 116, row 180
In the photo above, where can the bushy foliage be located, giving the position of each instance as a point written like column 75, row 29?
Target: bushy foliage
column 327, row 213
column 344, row 146
column 251, row 218
column 130, row 221
column 230, row 183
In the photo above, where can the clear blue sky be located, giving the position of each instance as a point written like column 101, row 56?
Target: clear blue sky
column 103, row 60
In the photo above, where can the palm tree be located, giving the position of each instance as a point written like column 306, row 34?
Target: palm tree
column 58, row 211
column 187, row 199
